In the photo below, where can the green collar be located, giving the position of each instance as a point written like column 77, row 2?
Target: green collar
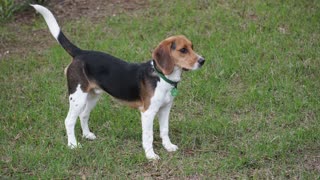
column 162, row 76
column 174, row 90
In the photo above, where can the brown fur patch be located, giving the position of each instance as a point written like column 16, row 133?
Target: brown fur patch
column 76, row 75
column 146, row 93
column 166, row 57
column 133, row 104
column 184, row 60
column 162, row 56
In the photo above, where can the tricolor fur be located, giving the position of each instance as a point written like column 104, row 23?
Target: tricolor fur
column 136, row 84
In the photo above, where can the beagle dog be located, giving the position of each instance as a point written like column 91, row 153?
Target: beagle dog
column 150, row 87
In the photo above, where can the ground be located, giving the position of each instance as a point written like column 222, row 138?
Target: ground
column 251, row 112
column 19, row 42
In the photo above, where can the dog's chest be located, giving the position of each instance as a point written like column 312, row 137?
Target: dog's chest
column 167, row 97
column 162, row 95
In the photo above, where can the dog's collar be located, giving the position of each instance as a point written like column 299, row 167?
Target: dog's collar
column 162, row 76
column 174, row 90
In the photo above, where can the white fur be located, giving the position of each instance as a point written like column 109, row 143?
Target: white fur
column 92, row 100
column 160, row 104
column 80, row 105
column 49, row 18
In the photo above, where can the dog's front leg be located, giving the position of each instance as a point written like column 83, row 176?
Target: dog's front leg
column 147, row 118
column 164, row 127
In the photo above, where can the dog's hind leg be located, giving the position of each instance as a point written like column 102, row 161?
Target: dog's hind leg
column 92, row 100
column 77, row 103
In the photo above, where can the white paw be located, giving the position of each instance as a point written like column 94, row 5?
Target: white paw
column 171, row 147
column 90, row 136
column 74, row 145
column 152, row 156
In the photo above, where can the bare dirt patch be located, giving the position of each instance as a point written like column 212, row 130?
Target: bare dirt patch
column 312, row 162
column 22, row 38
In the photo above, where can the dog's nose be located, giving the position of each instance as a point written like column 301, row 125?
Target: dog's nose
column 201, row 61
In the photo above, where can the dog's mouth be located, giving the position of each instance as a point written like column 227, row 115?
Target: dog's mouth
column 185, row 69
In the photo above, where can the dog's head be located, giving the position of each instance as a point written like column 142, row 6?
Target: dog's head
column 176, row 51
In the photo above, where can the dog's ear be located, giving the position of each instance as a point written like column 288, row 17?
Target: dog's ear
column 163, row 58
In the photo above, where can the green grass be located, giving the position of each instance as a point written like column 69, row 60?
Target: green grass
column 251, row 112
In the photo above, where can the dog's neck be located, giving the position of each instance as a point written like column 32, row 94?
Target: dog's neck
column 173, row 78
column 175, row 75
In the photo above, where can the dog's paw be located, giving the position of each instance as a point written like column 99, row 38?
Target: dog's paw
column 170, row 147
column 74, row 145
column 90, row 136
column 152, row 156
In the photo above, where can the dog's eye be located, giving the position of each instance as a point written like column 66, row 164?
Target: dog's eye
column 183, row 50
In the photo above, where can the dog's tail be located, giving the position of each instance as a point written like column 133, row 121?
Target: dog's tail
column 55, row 30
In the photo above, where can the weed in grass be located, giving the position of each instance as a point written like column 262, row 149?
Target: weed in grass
column 7, row 8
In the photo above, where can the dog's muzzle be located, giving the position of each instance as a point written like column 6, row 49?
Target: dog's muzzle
column 197, row 65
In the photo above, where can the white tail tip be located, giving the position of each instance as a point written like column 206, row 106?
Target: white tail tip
column 49, row 18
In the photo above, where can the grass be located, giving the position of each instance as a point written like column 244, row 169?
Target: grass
column 251, row 112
